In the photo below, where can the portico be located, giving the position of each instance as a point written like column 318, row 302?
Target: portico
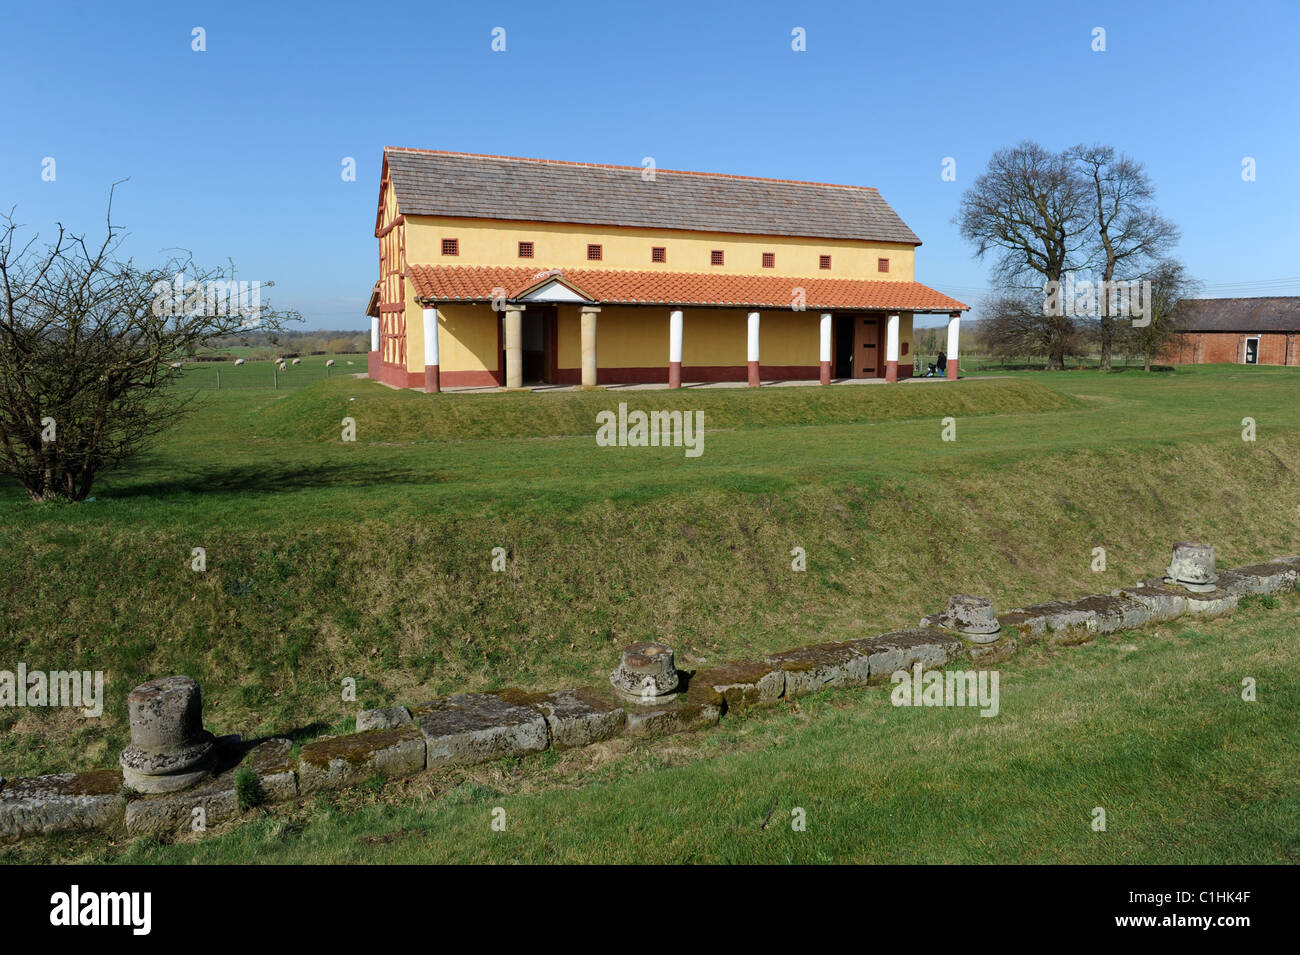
column 578, row 327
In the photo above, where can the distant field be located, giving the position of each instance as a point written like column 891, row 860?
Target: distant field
column 978, row 364
column 265, row 375
column 371, row 559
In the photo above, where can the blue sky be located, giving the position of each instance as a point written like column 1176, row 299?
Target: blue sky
column 236, row 152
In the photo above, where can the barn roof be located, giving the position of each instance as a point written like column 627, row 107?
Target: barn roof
column 1277, row 313
column 469, row 185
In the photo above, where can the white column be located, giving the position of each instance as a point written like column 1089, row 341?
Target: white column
column 431, row 336
column 374, row 334
column 752, row 350
column 825, row 354
column 891, row 349
column 431, row 382
column 954, row 339
column 675, row 348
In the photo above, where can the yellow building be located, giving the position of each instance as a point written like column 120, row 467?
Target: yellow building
column 500, row 271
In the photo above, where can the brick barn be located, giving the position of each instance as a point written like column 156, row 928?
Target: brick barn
column 509, row 272
column 1242, row 331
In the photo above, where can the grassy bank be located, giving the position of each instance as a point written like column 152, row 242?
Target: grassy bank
column 372, row 560
column 386, row 416
column 1148, row 725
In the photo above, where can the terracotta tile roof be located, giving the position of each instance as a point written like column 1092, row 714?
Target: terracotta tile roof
column 439, row 283
column 437, row 183
column 1265, row 313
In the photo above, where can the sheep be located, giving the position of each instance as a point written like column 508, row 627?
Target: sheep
column 330, row 363
column 174, row 364
column 297, row 361
column 238, row 362
column 282, row 366
column 351, row 363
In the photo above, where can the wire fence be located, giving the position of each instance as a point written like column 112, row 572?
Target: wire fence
column 974, row 364
column 268, row 375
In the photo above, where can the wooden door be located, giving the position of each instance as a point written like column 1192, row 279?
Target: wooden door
column 868, row 362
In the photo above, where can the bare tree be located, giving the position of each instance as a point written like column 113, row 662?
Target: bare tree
column 1014, row 327
column 89, row 349
column 1030, row 207
column 1129, row 232
column 1171, row 285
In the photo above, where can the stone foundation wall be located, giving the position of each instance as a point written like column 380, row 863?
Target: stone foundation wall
column 470, row 728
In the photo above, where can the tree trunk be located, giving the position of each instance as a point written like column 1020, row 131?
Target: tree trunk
column 1107, row 320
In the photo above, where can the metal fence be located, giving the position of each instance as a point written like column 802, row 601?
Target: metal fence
column 973, row 364
column 267, row 375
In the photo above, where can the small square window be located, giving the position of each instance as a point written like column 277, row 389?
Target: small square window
column 715, row 257
column 594, row 253
column 451, row 246
column 769, row 260
column 525, row 250
column 882, row 265
column 824, row 262
column 659, row 254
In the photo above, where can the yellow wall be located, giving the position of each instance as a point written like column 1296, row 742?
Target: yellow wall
column 467, row 338
column 715, row 336
column 637, row 337
column 559, row 245
column 790, row 338
column 415, row 333
column 568, row 329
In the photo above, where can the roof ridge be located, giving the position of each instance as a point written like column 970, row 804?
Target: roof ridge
column 597, row 165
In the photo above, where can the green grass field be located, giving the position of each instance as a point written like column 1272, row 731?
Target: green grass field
column 371, row 559
column 265, row 375
column 1149, row 726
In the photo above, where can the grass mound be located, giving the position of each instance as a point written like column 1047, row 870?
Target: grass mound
column 386, row 415
column 412, row 609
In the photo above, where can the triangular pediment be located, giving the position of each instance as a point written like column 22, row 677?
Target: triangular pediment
column 552, row 288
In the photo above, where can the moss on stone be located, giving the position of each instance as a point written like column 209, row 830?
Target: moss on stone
column 355, row 748
column 94, row 782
